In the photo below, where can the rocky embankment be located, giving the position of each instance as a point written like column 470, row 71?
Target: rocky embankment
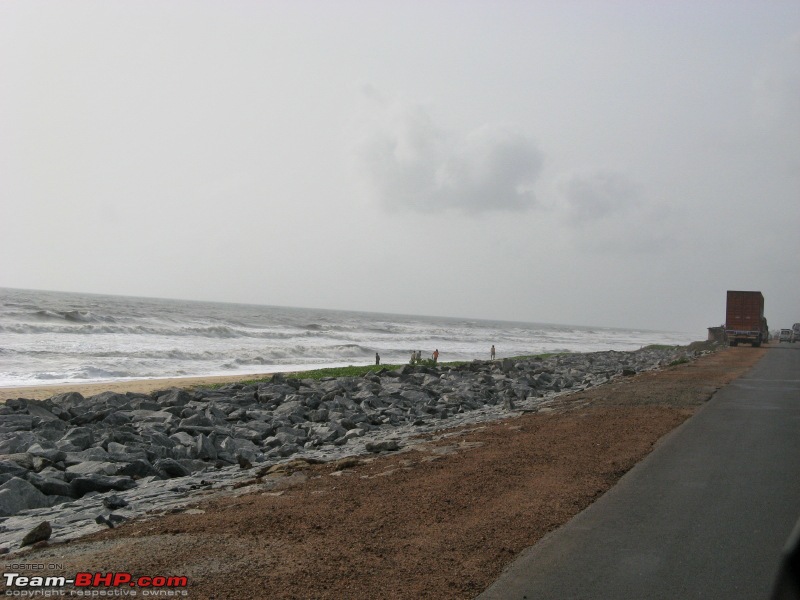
column 83, row 463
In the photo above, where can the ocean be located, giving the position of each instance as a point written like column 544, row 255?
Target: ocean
column 56, row 337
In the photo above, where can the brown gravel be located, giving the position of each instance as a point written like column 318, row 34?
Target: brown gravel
column 438, row 520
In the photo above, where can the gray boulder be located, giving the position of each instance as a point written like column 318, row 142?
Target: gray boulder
column 10, row 467
column 49, row 485
column 17, row 442
column 204, row 448
column 171, row 468
column 17, row 495
column 93, row 467
column 49, row 451
column 16, row 422
column 384, row 446
column 100, row 483
column 137, row 469
column 40, row 533
column 114, row 502
column 77, row 437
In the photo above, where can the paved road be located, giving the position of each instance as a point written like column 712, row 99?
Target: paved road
column 705, row 515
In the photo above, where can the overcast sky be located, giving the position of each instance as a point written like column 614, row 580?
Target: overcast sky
column 599, row 163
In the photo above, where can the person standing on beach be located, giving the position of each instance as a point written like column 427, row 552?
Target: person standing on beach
column 436, row 355
column 491, row 353
column 377, row 358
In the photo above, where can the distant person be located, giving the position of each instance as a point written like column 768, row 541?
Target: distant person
column 491, row 353
column 436, row 355
column 377, row 358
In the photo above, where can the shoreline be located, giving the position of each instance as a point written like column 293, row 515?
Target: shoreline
column 142, row 386
column 43, row 391
column 145, row 386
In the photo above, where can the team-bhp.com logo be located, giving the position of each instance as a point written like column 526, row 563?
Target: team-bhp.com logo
column 93, row 585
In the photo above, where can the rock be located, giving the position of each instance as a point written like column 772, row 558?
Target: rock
column 101, row 520
column 197, row 423
column 51, row 430
column 50, row 452
column 114, row 502
column 93, row 467
column 318, row 416
column 90, row 454
column 116, row 519
column 137, row 469
column 16, row 422
column 346, row 463
column 291, row 435
column 196, row 466
column 384, row 446
column 49, row 485
column 16, row 443
column 100, row 483
column 12, row 468
column 77, row 437
column 183, row 438
column 204, row 449
column 40, row 533
column 117, row 419
column 289, row 408
column 18, row 494
column 171, row 468
column 38, row 409
column 174, row 397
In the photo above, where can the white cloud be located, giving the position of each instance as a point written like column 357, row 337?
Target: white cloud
column 609, row 212
column 408, row 161
column 588, row 197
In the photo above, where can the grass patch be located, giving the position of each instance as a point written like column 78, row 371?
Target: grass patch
column 537, row 356
column 350, row 371
column 681, row 361
column 361, row 370
column 660, row 347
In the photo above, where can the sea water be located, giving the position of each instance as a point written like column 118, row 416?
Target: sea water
column 55, row 337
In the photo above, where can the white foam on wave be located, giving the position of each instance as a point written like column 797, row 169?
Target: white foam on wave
column 47, row 337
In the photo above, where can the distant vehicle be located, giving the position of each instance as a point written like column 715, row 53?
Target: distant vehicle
column 744, row 318
column 787, row 335
column 796, row 330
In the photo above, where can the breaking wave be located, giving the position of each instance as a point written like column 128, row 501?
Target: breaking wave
column 47, row 337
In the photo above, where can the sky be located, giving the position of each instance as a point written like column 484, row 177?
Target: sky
column 608, row 163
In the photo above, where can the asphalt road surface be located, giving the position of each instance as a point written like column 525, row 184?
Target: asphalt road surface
column 705, row 515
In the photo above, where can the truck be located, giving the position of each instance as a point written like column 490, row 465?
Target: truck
column 744, row 318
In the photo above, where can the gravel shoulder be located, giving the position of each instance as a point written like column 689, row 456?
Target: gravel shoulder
column 440, row 519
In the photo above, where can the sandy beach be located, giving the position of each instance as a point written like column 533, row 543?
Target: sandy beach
column 439, row 520
column 142, row 386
